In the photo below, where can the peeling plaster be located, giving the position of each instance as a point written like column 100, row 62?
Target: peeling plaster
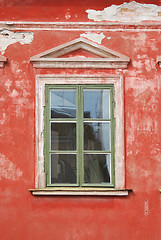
column 95, row 37
column 8, row 37
column 8, row 84
column 127, row 12
column 3, row 118
column 138, row 41
column 67, row 15
column 14, row 94
column 150, row 64
column 8, row 170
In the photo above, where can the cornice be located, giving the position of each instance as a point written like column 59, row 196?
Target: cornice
column 114, row 26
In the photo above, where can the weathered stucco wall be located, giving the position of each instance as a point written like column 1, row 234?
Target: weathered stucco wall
column 23, row 216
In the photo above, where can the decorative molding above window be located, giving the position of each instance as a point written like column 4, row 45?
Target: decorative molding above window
column 64, row 56
column 3, row 60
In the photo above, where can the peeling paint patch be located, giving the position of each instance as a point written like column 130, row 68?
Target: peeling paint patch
column 127, row 12
column 14, row 94
column 67, row 15
column 2, row 118
column 8, row 37
column 138, row 41
column 8, row 84
column 95, row 37
column 8, row 170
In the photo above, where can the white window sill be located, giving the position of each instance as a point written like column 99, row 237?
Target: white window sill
column 80, row 192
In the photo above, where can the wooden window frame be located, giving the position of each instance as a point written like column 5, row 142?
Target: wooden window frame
column 79, row 152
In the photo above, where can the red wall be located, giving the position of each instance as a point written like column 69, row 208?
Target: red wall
column 23, row 216
column 55, row 10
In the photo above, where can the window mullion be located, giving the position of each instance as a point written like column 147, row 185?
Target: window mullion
column 80, row 135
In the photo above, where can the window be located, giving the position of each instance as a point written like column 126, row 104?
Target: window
column 65, row 105
column 79, row 135
column 75, row 153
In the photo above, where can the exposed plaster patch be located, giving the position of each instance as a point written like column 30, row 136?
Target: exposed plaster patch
column 3, row 118
column 95, row 37
column 138, row 41
column 8, row 170
column 67, row 15
column 15, row 67
column 2, row 99
column 8, row 84
column 8, row 37
column 138, row 64
column 127, row 12
column 150, row 64
column 14, row 94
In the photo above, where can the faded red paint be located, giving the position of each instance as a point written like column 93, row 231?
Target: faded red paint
column 23, row 216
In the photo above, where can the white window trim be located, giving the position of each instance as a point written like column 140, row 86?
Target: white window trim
column 118, row 81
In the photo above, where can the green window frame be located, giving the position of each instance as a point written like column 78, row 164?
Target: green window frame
column 81, row 154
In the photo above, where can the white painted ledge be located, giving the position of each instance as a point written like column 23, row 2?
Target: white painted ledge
column 3, row 60
column 80, row 192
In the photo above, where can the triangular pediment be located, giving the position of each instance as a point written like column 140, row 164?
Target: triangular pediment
column 80, row 53
column 3, row 60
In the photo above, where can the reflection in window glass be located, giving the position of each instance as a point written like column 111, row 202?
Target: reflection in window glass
column 97, row 168
column 97, row 136
column 63, row 136
column 97, row 103
column 63, row 168
column 63, row 103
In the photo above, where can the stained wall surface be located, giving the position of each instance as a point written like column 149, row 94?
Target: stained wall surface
column 24, row 216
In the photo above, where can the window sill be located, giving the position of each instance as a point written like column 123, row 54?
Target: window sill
column 80, row 192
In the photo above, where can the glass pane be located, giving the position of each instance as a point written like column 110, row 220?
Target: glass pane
column 63, row 136
column 97, row 168
column 63, row 103
column 97, row 103
column 97, row 136
column 63, row 168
